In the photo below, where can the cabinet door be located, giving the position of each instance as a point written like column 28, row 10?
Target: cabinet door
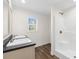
column 24, row 53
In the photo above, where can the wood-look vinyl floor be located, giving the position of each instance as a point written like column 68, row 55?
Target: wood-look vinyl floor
column 43, row 52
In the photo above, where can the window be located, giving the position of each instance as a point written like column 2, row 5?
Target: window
column 32, row 24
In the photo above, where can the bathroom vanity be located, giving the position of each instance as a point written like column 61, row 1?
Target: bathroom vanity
column 19, row 51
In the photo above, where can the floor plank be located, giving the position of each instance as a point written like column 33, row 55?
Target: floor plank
column 43, row 52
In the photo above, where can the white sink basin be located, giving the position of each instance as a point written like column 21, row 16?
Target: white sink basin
column 19, row 41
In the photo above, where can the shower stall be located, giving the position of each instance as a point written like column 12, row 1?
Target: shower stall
column 63, row 33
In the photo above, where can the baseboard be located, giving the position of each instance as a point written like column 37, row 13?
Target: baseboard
column 42, row 44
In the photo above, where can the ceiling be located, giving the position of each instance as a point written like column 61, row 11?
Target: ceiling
column 43, row 6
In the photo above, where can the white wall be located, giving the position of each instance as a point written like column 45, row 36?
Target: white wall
column 42, row 36
column 70, row 19
column 70, row 27
column 5, row 20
